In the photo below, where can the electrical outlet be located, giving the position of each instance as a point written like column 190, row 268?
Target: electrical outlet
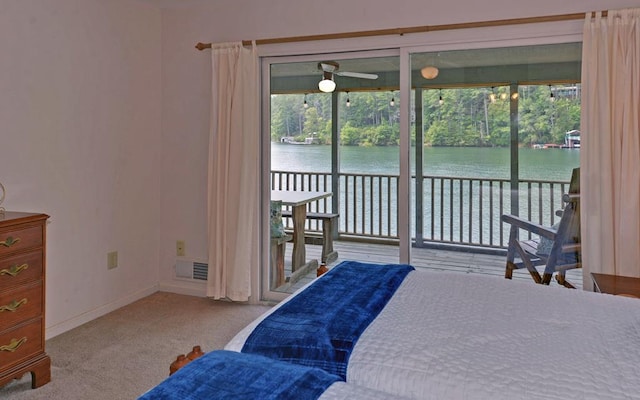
column 180, row 251
column 112, row 260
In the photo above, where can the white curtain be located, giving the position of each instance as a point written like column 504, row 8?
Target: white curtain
column 233, row 187
column 610, row 144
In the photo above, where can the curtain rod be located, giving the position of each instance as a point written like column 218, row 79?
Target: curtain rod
column 415, row 29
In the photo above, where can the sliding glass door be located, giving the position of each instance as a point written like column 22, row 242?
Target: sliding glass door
column 496, row 132
column 412, row 149
column 332, row 162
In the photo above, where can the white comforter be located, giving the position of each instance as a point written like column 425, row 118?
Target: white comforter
column 464, row 336
column 348, row 391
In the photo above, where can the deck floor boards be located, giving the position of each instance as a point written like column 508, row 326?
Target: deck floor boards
column 443, row 260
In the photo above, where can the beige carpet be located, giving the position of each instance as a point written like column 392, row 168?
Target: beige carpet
column 123, row 354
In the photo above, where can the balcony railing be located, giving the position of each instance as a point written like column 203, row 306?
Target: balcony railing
column 451, row 210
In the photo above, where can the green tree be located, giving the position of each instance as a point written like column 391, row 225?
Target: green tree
column 313, row 124
column 349, row 135
column 467, row 116
column 499, row 133
column 286, row 116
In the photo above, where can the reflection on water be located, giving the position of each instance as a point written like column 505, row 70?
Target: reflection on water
column 476, row 162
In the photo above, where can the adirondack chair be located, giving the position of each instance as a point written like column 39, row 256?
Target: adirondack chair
column 564, row 253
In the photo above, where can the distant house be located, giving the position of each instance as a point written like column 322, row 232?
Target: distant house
column 307, row 140
column 572, row 139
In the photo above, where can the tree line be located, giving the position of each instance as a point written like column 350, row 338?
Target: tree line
column 451, row 117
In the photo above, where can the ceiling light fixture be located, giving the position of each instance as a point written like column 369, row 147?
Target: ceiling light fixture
column 429, row 72
column 305, row 104
column 393, row 100
column 327, row 84
column 552, row 98
column 348, row 101
column 440, row 100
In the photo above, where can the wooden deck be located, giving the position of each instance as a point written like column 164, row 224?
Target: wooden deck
column 443, row 260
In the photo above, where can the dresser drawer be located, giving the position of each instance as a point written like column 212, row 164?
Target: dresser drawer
column 19, row 344
column 20, row 305
column 20, row 239
column 20, row 269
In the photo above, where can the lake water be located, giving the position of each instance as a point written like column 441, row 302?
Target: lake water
column 476, row 162
column 449, row 218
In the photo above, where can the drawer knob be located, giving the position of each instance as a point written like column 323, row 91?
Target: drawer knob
column 14, row 270
column 13, row 346
column 14, row 305
column 9, row 241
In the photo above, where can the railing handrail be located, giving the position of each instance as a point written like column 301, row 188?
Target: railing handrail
column 475, row 178
column 457, row 210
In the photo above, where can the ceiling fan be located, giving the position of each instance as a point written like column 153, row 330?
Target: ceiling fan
column 329, row 68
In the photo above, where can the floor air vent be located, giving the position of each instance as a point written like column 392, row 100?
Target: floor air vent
column 189, row 269
column 200, row 271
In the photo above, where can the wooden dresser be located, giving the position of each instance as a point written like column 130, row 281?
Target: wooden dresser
column 22, row 298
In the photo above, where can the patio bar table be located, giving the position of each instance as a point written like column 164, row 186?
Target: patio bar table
column 298, row 201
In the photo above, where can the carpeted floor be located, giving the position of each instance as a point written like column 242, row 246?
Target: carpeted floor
column 124, row 353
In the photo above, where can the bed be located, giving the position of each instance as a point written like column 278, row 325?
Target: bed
column 446, row 335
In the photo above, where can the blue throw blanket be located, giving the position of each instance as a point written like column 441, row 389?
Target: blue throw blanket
column 320, row 326
column 230, row 375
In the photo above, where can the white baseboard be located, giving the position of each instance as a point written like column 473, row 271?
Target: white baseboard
column 57, row 329
column 188, row 288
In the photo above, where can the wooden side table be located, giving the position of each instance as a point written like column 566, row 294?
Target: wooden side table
column 614, row 284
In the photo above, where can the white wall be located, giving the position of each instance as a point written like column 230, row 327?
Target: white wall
column 80, row 140
column 186, row 72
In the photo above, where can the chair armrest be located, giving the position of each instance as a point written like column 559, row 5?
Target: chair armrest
column 529, row 226
column 571, row 248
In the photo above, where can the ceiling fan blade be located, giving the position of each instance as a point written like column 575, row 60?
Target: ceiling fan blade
column 328, row 66
column 357, row 75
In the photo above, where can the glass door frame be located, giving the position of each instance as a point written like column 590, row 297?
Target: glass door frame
column 266, row 293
